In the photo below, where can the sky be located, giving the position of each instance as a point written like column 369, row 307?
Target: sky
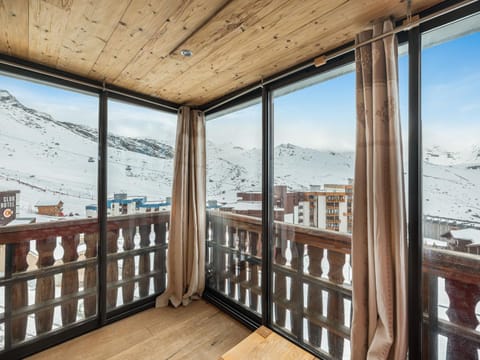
column 320, row 116
column 82, row 108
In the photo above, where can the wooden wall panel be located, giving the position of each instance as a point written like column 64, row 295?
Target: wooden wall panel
column 14, row 27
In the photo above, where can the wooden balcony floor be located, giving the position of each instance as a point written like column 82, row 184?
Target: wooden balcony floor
column 198, row 331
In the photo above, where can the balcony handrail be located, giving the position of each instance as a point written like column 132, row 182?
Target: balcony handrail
column 135, row 266
column 438, row 261
column 330, row 240
column 19, row 233
column 449, row 264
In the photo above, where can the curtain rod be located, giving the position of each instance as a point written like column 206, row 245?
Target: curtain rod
column 83, row 83
column 318, row 61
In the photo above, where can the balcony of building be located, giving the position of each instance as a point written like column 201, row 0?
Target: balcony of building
column 82, row 281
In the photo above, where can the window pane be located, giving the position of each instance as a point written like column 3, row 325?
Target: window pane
column 451, row 188
column 140, row 170
column 314, row 140
column 234, row 211
column 48, row 179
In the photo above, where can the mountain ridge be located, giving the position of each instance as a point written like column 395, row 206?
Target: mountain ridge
column 58, row 158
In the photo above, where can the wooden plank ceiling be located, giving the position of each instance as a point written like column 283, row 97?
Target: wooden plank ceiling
column 136, row 44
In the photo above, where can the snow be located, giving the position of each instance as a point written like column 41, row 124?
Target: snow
column 244, row 205
column 450, row 190
column 467, row 234
column 47, row 159
column 47, row 203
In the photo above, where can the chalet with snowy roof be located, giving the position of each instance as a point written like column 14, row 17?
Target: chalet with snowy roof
column 466, row 240
column 50, row 208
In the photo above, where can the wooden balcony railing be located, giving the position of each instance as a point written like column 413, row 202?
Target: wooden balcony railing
column 460, row 274
column 300, row 282
column 311, row 296
column 51, row 271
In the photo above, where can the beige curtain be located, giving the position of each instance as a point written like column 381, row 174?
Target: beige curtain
column 379, row 325
column 186, row 245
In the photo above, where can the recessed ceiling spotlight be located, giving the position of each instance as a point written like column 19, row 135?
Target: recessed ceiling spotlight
column 186, row 52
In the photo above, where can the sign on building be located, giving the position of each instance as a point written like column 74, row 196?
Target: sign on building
column 8, row 206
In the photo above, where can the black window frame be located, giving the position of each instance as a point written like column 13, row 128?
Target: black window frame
column 411, row 37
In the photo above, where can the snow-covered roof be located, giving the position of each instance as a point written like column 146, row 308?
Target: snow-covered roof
column 48, row 203
column 153, row 204
column 467, row 234
column 244, row 205
column 21, row 221
column 435, row 242
column 128, row 199
column 4, row 189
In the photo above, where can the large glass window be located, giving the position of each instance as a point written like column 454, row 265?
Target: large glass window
column 48, row 181
column 140, row 170
column 451, row 188
column 314, row 142
column 234, row 209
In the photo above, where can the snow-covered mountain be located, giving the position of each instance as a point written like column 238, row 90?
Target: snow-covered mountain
column 231, row 168
column 49, row 159
column 437, row 155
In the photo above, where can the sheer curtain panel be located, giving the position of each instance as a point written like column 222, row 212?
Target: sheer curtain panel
column 186, row 245
column 379, row 326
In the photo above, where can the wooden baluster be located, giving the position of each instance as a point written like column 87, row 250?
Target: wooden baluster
column 280, row 283
column 90, row 280
column 315, row 298
column 112, row 268
column 45, row 287
column 19, row 291
column 254, row 276
column 159, row 260
column 336, row 313
column 69, row 279
column 233, row 261
column 297, row 287
column 242, row 276
column 144, row 261
column 128, row 270
column 461, row 311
